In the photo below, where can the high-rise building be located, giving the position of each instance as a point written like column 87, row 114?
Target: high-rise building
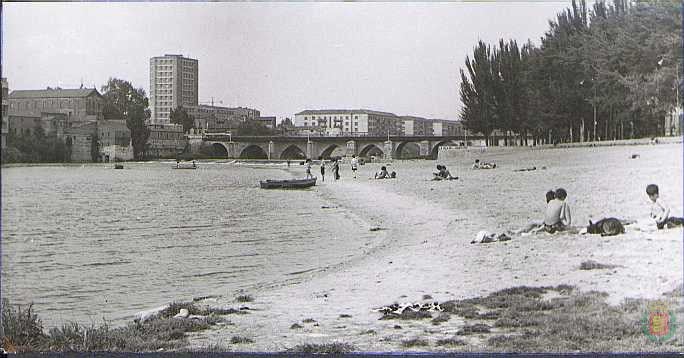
column 173, row 83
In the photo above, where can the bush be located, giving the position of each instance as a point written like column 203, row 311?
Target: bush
column 323, row 348
column 414, row 342
column 244, row 298
column 23, row 329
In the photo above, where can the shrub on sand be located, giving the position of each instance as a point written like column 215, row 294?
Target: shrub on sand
column 240, row 339
column 408, row 315
column 323, row 348
column 23, row 328
column 476, row 328
column 593, row 265
column 443, row 317
column 451, row 342
column 244, row 298
column 414, row 342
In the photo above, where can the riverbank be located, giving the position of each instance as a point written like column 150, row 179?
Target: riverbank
column 427, row 255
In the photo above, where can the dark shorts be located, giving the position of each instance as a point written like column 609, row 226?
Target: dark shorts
column 671, row 222
column 554, row 228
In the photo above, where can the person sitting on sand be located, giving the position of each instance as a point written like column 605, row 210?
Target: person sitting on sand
column 557, row 216
column 382, row 174
column 536, row 226
column 477, row 164
column 443, row 173
column 659, row 212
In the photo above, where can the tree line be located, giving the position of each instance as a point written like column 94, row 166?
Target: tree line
column 610, row 72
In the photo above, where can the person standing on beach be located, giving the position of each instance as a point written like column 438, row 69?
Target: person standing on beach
column 322, row 170
column 354, row 165
column 308, row 169
column 336, row 169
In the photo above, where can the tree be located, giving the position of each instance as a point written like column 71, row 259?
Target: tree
column 123, row 101
column 181, row 116
column 253, row 128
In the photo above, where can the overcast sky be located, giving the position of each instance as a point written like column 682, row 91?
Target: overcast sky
column 280, row 58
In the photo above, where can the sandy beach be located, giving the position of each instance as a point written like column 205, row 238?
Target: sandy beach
column 423, row 251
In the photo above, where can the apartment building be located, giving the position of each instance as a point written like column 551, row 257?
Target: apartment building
column 174, row 81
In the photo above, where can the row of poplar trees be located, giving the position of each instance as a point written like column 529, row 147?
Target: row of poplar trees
column 606, row 73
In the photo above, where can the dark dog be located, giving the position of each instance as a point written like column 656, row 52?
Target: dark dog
column 606, row 227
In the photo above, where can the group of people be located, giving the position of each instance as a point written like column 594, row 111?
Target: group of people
column 335, row 169
column 557, row 216
column 384, row 174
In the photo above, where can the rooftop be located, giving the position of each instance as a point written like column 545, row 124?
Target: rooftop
column 350, row 111
column 54, row 93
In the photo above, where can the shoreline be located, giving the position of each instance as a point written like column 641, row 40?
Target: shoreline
column 428, row 254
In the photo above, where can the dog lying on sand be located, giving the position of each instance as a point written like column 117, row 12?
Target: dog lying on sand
column 606, row 227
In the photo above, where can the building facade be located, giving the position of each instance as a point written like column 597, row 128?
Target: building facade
column 220, row 119
column 5, row 112
column 80, row 142
column 371, row 123
column 26, row 124
column 79, row 105
column 114, row 141
column 174, row 81
column 165, row 141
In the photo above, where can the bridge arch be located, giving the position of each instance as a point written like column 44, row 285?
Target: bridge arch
column 412, row 148
column 293, row 152
column 253, row 151
column 371, row 150
column 327, row 152
column 435, row 149
column 219, row 150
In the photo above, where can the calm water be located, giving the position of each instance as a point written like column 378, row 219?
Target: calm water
column 87, row 242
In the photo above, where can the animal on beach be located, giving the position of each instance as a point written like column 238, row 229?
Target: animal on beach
column 606, row 227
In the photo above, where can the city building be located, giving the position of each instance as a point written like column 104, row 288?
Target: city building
column 268, row 122
column 350, row 121
column 165, row 141
column 372, row 123
column 26, row 124
column 5, row 112
column 79, row 105
column 80, row 142
column 220, row 119
column 173, row 82
column 114, row 141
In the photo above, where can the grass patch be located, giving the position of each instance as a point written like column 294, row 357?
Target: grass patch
column 414, row 342
column 593, row 265
column 471, row 329
column 195, row 309
column 443, row 317
column 427, row 297
column 451, row 342
column 309, row 320
column 296, row 326
column 323, row 348
column 24, row 333
column 408, row 315
column 244, row 298
column 240, row 340
column 369, row 332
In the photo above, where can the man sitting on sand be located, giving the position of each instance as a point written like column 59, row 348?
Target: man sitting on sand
column 536, row 226
column 659, row 212
column 443, row 173
column 557, row 216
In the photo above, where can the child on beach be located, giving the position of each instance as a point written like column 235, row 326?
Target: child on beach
column 557, row 216
column 336, row 169
column 659, row 212
column 308, row 169
column 354, row 165
column 322, row 170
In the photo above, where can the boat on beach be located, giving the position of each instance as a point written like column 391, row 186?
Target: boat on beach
column 288, row 184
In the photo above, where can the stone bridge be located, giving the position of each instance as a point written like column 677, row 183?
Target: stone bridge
column 279, row 147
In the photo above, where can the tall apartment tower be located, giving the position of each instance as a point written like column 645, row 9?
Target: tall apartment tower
column 173, row 82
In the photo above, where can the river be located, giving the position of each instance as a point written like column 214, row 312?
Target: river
column 85, row 242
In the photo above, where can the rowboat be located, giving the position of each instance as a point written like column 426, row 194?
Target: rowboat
column 185, row 166
column 288, row 184
column 118, row 166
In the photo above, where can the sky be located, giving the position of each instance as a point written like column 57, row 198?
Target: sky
column 280, row 58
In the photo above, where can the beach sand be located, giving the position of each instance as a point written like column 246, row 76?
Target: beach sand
column 423, row 245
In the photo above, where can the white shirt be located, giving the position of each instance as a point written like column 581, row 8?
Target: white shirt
column 354, row 163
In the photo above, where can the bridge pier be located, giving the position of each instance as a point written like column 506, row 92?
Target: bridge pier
column 309, row 149
column 351, row 148
column 388, row 150
column 270, row 149
column 424, row 148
